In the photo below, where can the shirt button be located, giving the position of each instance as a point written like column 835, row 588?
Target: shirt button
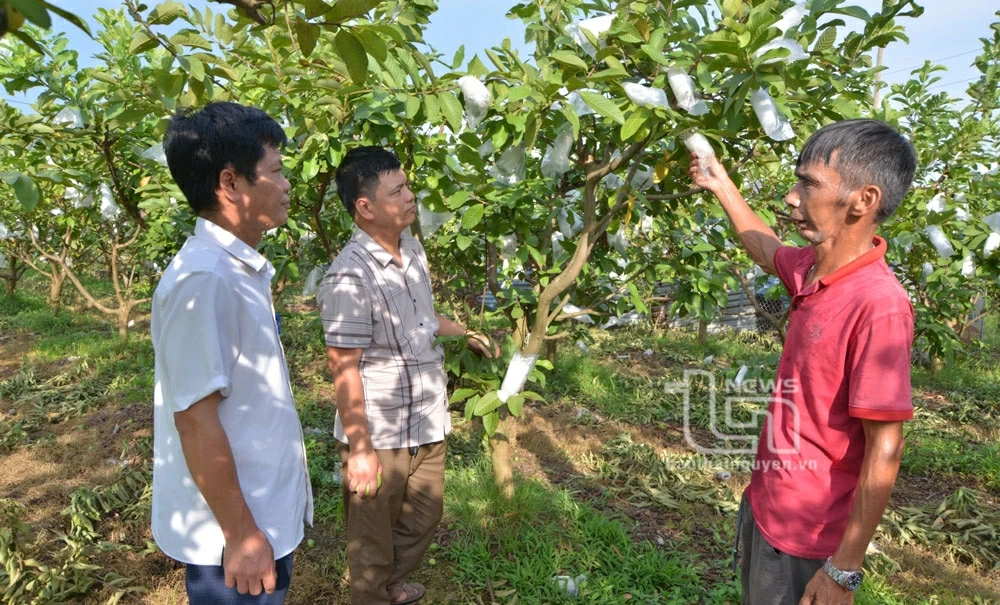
column 421, row 323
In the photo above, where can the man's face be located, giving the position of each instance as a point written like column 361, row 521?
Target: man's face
column 819, row 202
column 265, row 202
column 393, row 204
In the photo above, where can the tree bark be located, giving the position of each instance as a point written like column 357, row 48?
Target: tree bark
column 56, row 281
column 503, row 469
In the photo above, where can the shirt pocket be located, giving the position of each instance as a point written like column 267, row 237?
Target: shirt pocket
column 395, row 316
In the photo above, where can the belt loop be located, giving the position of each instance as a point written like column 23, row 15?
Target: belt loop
column 413, row 450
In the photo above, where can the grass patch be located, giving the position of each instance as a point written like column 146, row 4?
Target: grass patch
column 929, row 452
column 543, row 533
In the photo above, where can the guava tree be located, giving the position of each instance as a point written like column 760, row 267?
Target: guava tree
column 576, row 161
column 946, row 238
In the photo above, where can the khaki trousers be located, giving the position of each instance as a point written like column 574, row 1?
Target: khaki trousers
column 387, row 534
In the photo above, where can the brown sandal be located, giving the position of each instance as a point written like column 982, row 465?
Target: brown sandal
column 407, row 594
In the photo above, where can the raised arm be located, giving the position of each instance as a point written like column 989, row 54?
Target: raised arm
column 757, row 237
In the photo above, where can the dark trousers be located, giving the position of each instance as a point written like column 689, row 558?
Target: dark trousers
column 388, row 533
column 769, row 576
column 206, row 585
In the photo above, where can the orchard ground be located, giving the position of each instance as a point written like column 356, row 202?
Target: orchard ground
column 607, row 486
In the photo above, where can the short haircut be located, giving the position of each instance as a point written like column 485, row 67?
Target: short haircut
column 360, row 172
column 200, row 144
column 868, row 152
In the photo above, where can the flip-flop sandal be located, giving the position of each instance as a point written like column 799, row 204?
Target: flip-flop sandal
column 411, row 593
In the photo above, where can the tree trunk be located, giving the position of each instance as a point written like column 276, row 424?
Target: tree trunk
column 56, row 281
column 124, row 311
column 702, row 332
column 500, row 448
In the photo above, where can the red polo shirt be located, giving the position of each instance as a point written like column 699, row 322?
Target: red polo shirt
column 846, row 358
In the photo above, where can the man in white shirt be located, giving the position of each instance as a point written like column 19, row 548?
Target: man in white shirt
column 230, row 484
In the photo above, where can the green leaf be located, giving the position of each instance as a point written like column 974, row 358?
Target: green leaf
column 350, row 9
column 166, row 13
column 141, row 43
column 190, row 39
column 25, row 190
column 432, row 109
column 633, row 124
column 571, row 117
column 315, row 8
column 463, row 241
column 491, row 422
column 731, row 8
column 457, row 199
column 472, row 217
column 28, row 41
column 470, row 408
column 826, row 41
column 456, row 60
column 488, row 403
column 461, row 395
column 853, row 11
column 452, row 110
column 515, row 404
column 568, row 58
column 306, row 34
column 602, row 105
column 374, row 45
column 353, row 54
column 33, row 11
column 75, row 20
column 194, row 67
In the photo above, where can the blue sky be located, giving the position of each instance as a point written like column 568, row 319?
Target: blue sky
column 947, row 33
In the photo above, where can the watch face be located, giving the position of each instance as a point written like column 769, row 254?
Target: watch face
column 853, row 581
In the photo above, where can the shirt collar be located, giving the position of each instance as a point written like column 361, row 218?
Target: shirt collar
column 233, row 245
column 379, row 253
column 876, row 254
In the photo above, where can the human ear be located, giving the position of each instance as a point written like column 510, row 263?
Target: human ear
column 868, row 200
column 362, row 208
column 227, row 183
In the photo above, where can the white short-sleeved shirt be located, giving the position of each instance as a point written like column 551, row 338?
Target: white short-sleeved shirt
column 214, row 329
column 368, row 300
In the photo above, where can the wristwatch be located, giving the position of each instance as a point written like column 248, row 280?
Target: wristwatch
column 850, row 580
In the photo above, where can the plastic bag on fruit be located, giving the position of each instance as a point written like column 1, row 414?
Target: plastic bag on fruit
column 596, row 26
column 645, row 96
column 775, row 125
column 556, row 158
column 682, row 85
column 477, row 99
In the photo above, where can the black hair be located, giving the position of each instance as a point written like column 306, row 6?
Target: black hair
column 200, row 144
column 361, row 170
column 868, row 152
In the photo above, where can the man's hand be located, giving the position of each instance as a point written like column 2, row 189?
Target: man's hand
column 364, row 472
column 482, row 344
column 248, row 564
column 713, row 178
column 822, row 590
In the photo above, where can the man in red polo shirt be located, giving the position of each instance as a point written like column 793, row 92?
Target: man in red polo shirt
column 831, row 445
